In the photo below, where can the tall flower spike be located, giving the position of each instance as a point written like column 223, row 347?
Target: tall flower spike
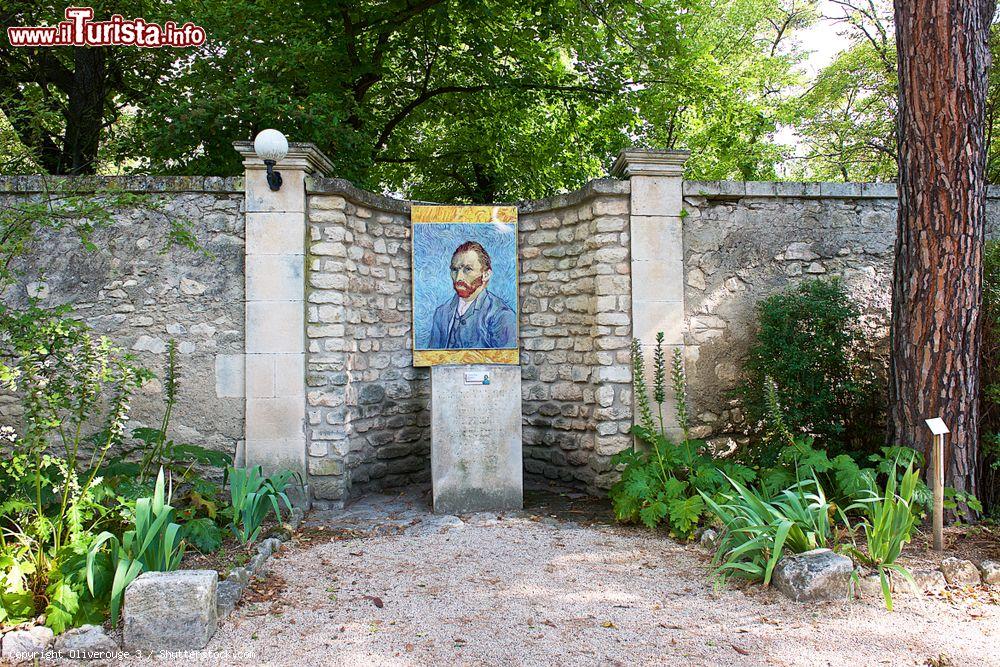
column 679, row 382
column 659, row 372
column 639, row 379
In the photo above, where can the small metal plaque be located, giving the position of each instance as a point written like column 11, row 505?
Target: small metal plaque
column 477, row 377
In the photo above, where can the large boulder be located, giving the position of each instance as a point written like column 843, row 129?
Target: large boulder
column 170, row 611
column 959, row 572
column 991, row 571
column 26, row 645
column 819, row 574
column 87, row 642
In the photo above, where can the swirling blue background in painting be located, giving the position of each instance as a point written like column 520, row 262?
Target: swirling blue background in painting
column 433, row 245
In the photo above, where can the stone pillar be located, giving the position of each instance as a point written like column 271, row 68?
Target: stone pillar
column 275, row 308
column 657, row 252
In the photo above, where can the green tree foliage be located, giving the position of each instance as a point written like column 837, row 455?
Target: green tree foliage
column 846, row 118
column 452, row 100
column 62, row 103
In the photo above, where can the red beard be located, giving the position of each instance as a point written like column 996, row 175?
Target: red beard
column 465, row 290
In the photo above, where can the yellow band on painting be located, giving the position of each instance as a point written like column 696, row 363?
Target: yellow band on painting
column 437, row 357
column 463, row 213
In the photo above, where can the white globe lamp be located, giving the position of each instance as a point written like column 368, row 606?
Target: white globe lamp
column 271, row 146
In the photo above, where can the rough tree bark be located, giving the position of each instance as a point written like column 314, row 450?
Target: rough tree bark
column 937, row 284
column 84, row 111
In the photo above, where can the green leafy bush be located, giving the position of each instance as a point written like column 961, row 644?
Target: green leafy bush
column 252, row 496
column 888, row 522
column 662, row 484
column 759, row 529
column 989, row 400
column 153, row 545
column 809, row 350
column 74, row 390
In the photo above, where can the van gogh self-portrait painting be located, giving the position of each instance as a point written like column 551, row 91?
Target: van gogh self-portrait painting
column 464, row 285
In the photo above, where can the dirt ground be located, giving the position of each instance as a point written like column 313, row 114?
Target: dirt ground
column 387, row 583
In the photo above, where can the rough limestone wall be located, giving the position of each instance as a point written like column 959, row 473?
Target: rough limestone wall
column 141, row 297
column 575, row 334
column 746, row 241
column 369, row 409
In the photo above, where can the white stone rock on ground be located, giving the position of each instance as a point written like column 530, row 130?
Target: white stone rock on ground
column 932, row 581
column 515, row 591
column 819, row 574
column 170, row 611
column 24, row 645
column 959, row 572
column 991, row 572
column 87, row 642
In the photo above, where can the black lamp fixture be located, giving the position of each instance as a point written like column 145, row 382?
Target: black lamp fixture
column 271, row 146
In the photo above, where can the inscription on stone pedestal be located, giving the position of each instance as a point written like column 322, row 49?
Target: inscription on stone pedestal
column 476, row 438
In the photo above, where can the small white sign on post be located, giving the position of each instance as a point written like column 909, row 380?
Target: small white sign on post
column 937, row 426
column 939, row 429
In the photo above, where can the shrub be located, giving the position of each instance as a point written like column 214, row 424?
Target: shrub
column 989, row 402
column 74, row 390
column 809, row 351
column 664, row 483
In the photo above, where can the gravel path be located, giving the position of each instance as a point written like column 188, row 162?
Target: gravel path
column 519, row 591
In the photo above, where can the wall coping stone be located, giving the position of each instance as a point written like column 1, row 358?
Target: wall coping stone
column 824, row 190
column 302, row 155
column 35, row 183
column 648, row 162
column 340, row 186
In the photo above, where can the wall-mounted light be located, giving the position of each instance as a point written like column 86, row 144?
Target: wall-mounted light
column 271, row 146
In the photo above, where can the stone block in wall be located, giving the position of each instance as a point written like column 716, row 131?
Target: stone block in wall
column 274, row 234
column 275, row 277
column 651, row 196
column 656, row 238
column 275, row 326
column 260, row 197
column 229, row 375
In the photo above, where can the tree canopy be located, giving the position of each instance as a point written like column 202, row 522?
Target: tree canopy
column 464, row 100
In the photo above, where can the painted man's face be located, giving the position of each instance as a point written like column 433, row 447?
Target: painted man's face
column 467, row 273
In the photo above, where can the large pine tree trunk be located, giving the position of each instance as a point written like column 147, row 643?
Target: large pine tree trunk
column 937, row 285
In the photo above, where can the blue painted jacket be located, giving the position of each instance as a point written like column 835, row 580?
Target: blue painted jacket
column 489, row 323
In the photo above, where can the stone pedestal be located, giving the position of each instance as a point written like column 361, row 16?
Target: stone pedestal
column 476, row 438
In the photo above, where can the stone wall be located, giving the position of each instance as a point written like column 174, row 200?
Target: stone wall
column 368, row 407
column 746, row 241
column 597, row 266
column 131, row 290
column 369, row 419
column 575, row 334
